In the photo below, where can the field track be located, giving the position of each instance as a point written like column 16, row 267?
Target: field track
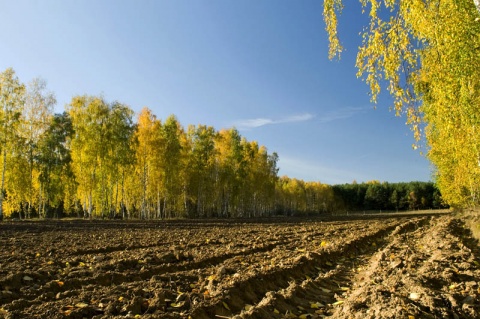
column 361, row 266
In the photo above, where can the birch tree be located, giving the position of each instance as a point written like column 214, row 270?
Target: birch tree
column 36, row 118
column 12, row 96
column 56, row 178
column 426, row 54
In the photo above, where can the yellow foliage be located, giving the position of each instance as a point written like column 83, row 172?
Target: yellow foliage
column 426, row 54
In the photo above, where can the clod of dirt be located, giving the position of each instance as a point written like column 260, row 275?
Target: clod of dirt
column 135, row 306
column 221, row 271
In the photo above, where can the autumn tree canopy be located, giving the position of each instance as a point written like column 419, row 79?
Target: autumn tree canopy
column 427, row 55
column 96, row 161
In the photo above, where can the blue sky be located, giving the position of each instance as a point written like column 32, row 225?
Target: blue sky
column 260, row 66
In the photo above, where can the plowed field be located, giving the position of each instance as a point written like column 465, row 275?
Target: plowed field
column 397, row 266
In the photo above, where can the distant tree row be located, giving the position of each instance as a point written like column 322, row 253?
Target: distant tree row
column 96, row 160
column 387, row 196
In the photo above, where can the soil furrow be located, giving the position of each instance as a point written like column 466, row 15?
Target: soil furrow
column 428, row 273
column 285, row 268
column 310, row 264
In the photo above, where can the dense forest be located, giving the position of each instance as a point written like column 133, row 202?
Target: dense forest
column 97, row 160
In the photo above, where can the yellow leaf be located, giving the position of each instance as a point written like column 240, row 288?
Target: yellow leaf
column 120, row 298
column 226, row 306
column 338, row 303
column 276, row 311
column 248, row 307
column 178, row 304
column 37, row 255
column 323, row 243
column 211, row 277
column 316, row 305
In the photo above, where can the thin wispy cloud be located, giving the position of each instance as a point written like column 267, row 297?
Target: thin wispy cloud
column 334, row 115
column 258, row 122
column 342, row 113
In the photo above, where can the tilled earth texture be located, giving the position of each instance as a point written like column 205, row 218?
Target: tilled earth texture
column 391, row 266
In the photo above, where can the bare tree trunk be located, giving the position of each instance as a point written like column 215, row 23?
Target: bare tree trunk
column 3, row 180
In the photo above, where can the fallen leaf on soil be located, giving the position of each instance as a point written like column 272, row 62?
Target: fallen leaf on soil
column 27, row 278
column 248, row 307
column 178, row 304
column 323, row 243
column 316, row 305
column 276, row 311
column 338, row 303
column 81, row 305
column 226, row 306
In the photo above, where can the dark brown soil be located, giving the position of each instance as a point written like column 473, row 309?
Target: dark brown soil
column 395, row 266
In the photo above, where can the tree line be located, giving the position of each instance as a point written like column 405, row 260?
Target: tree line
column 385, row 196
column 97, row 159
